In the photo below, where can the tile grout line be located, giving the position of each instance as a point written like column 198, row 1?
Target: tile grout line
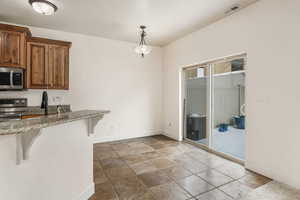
column 110, row 181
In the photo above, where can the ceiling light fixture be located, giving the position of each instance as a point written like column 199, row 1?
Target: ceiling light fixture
column 43, row 7
column 142, row 48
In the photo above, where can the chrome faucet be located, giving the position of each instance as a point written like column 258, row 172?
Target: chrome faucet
column 45, row 102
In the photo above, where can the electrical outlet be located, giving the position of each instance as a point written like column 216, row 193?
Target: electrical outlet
column 57, row 100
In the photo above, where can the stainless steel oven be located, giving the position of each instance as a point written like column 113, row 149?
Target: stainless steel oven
column 11, row 78
column 12, row 109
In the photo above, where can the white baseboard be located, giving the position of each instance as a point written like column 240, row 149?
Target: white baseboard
column 171, row 136
column 87, row 193
column 100, row 140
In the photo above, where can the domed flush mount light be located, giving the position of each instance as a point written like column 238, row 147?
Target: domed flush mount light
column 143, row 49
column 43, row 7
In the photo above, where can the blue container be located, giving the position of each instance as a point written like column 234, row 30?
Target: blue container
column 223, row 127
column 240, row 122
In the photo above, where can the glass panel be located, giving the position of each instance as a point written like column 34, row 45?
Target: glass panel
column 4, row 78
column 228, row 121
column 196, row 102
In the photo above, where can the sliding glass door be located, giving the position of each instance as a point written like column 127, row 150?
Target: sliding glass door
column 196, row 104
column 215, row 106
column 228, row 117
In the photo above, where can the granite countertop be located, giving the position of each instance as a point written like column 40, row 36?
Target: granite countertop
column 52, row 109
column 19, row 126
column 36, row 110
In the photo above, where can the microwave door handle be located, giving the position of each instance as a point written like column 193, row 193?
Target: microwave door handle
column 11, row 79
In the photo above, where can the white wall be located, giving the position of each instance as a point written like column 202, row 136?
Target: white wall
column 269, row 32
column 107, row 74
column 60, row 165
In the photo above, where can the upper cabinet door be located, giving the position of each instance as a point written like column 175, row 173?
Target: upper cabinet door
column 47, row 64
column 58, row 67
column 12, row 45
column 37, row 65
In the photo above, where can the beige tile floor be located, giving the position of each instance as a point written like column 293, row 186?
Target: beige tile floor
column 159, row 168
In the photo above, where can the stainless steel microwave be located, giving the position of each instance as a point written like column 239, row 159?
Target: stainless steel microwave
column 11, row 78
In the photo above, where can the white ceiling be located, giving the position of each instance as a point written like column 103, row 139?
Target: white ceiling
column 167, row 20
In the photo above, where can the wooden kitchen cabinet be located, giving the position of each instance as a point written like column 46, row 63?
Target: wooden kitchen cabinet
column 47, row 64
column 37, row 60
column 58, row 66
column 13, row 46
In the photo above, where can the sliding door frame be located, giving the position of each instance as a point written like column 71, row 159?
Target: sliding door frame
column 210, row 103
column 208, row 100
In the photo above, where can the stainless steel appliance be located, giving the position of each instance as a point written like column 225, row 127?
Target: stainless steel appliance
column 12, row 109
column 11, row 78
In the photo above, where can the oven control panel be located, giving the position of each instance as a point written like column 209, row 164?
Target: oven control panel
column 16, row 102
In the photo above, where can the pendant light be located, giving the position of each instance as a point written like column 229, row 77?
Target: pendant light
column 43, row 7
column 143, row 49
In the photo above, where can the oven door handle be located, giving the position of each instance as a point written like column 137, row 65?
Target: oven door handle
column 11, row 79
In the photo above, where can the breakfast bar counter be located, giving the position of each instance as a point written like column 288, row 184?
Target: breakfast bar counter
column 49, row 152
column 27, row 130
column 25, row 125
